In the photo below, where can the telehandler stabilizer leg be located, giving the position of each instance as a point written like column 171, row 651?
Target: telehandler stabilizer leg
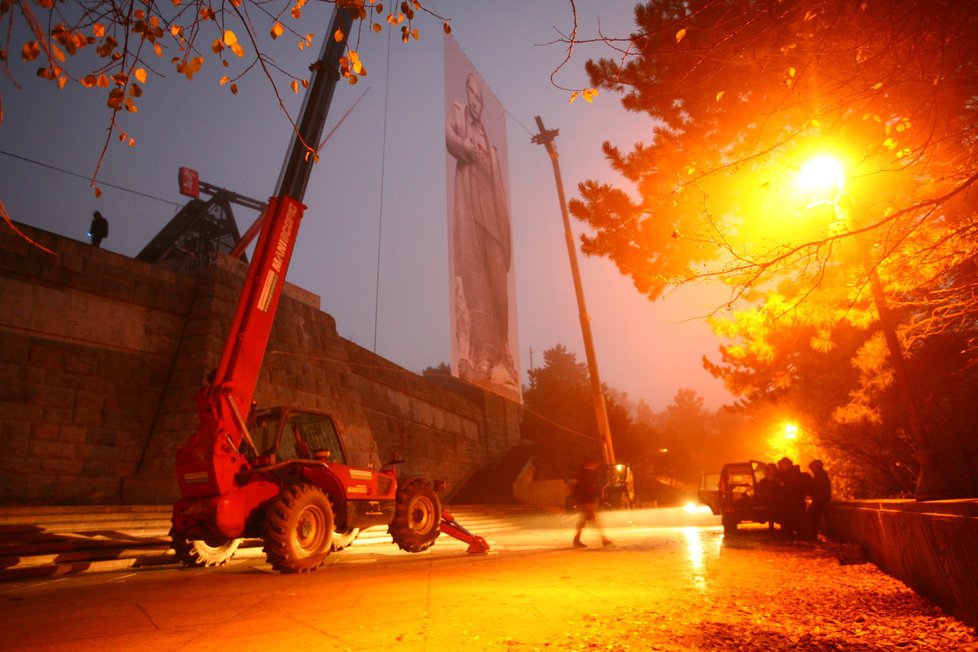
column 451, row 527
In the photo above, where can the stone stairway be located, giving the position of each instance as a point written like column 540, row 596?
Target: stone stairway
column 62, row 540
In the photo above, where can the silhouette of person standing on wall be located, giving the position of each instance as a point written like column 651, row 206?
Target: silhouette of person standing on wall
column 99, row 229
column 482, row 245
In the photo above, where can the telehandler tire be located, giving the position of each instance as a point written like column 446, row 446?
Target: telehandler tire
column 417, row 516
column 298, row 529
column 196, row 553
column 345, row 539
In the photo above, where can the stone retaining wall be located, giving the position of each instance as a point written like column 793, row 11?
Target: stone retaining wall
column 931, row 546
column 101, row 356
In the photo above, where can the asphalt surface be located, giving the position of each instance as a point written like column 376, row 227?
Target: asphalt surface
column 670, row 581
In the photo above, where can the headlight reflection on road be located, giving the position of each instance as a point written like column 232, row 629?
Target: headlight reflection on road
column 696, row 553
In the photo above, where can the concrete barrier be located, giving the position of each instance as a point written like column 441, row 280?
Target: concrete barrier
column 931, row 546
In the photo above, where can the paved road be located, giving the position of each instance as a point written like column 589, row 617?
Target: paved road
column 666, row 584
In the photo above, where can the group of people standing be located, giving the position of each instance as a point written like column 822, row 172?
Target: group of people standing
column 796, row 500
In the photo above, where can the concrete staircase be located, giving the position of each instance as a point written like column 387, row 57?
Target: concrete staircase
column 63, row 540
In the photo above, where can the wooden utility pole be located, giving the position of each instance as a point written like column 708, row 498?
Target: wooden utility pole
column 546, row 138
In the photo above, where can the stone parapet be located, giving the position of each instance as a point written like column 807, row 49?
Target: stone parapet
column 932, row 546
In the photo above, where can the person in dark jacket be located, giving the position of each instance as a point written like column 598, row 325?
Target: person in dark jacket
column 587, row 495
column 821, row 494
column 794, row 488
column 99, row 229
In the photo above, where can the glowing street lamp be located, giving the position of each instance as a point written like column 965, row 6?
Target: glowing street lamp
column 790, row 431
column 822, row 179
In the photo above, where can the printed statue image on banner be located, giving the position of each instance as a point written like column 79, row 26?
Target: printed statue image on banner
column 485, row 343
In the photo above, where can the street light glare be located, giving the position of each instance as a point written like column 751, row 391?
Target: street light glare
column 822, row 178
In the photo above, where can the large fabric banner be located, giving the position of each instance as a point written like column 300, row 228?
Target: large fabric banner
column 485, row 345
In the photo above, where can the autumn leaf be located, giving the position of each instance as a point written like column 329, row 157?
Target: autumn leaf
column 140, row 75
column 680, row 35
column 719, row 96
column 89, row 81
column 277, row 30
column 30, row 51
column 116, row 98
column 573, row 97
column 98, row 29
column 295, row 86
column 338, row 36
column 234, row 89
column 224, row 80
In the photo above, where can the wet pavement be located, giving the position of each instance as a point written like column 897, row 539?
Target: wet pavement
column 670, row 581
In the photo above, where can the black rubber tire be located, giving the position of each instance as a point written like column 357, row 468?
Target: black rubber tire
column 729, row 524
column 417, row 516
column 344, row 539
column 196, row 553
column 298, row 529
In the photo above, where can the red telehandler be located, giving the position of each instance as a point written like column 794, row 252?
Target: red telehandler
column 280, row 474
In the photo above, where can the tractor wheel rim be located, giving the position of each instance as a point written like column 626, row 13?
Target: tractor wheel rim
column 422, row 514
column 309, row 529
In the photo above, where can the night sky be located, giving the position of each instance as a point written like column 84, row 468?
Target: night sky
column 379, row 192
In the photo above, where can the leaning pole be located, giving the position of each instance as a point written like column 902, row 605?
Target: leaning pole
column 547, row 138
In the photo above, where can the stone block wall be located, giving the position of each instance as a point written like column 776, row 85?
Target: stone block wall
column 102, row 356
column 86, row 340
column 928, row 545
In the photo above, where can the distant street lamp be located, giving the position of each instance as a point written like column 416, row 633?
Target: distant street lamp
column 823, row 178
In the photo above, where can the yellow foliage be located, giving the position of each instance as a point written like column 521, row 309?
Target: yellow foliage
column 277, row 30
column 680, row 35
column 140, row 75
